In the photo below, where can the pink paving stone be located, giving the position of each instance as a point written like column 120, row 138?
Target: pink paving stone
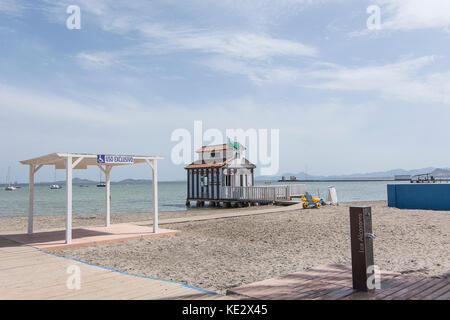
column 53, row 240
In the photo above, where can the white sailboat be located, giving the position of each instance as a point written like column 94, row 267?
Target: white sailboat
column 55, row 186
column 9, row 187
column 101, row 184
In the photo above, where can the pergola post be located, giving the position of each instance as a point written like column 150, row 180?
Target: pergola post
column 32, row 172
column 69, row 199
column 155, row 195
column 31, row 200
column 108, row 194
column 153, row 164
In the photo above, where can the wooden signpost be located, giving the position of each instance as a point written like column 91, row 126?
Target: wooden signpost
column 361, row 247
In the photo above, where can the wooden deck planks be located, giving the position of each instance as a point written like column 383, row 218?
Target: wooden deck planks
column 334, row 282
column 27, row 273
column 438, row 293
column 53, row 240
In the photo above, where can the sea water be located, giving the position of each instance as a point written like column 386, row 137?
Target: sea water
column 137, row 197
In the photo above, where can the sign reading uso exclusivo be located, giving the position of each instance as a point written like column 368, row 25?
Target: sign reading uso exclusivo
column 108, row 159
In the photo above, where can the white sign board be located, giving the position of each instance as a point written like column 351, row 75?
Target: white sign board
column 332, row 195
column 111, row 159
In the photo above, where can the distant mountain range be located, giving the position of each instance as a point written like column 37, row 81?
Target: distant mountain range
column 436, row 172
column 87, row 181
column 74, row 181
column 135, row 180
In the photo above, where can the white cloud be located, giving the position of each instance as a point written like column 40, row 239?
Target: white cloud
column 139, row 21
column 43, row 122
column 12, row 7
column 157, row 39
column 97, row 59
column 124, row 118
column 406, row 80
column 231, row 44
column 415, row 14
column 403, row 80
column 258, row 73
column 54, row 108
column 254, row 12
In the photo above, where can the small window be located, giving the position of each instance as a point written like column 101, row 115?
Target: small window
column 228, row 181
column 213, row 154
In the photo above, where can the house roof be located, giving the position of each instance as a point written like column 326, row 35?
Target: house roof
column 205, row 164
column 214, row 147
column 211, row 163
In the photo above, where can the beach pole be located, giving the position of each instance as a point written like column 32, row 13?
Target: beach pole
column 363, row 268
column 69, row 199
column 155, row 195
column 31, row 200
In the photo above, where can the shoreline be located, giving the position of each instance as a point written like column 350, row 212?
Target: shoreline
column 193, row 208
column 18, row 224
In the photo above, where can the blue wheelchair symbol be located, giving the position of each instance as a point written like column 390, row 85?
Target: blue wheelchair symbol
column 100, row 158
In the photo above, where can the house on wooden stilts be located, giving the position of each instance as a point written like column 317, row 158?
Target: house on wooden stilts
column 218, row 166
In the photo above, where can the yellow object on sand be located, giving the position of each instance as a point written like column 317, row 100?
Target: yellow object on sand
column 315, row 199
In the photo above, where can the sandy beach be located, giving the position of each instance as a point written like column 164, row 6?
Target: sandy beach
column 41, row 223
column 222, row 253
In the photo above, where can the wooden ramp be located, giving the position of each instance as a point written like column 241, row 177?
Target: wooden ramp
column 29, row 273
column 334, row 282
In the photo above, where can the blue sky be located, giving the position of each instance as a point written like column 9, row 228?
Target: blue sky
column 346, row 99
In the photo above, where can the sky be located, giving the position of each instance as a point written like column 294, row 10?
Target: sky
column 346, row 98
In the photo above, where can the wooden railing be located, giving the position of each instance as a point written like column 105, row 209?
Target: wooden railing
column 294, row 190
column 262, row 193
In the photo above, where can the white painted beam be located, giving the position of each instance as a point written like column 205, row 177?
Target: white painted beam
column 31, row 198
column 38, row 167
column 76, row 162
column 69, row 199
column 108, row 195
column 155, row 195
column 149, row 162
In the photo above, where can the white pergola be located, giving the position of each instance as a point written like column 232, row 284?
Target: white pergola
column 77, row 161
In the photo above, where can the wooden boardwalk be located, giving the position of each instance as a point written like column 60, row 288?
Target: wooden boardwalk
column 28, row 273
column 53, row 240
column 334, row 282
column 228, row 214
